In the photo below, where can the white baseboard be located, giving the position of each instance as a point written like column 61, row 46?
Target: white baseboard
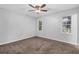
column 59, row 40
column 42, row 37
column 15, row 40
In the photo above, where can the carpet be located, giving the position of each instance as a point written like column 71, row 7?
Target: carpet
column 38, row 45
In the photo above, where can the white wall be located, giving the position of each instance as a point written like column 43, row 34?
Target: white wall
column 19, row 26
column 74, row 29
column 52, row 26
column 15, row 26
column 78, row 29
column 3, row 25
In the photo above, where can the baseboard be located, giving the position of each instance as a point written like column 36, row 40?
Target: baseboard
column 38, row 37
column 17, row 40
column 58, row 40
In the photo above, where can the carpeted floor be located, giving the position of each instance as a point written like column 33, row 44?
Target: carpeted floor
column 37, row 45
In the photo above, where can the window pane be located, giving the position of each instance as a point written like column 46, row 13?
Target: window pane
column 40, row 25
column 67, row 24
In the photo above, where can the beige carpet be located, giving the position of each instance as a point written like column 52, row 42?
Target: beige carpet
column 37, row 45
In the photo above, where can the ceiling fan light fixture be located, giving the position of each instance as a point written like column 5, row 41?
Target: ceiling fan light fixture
column 38, row 7
column 37, row 11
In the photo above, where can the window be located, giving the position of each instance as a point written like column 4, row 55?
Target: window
column 66, row 24
column 40, row 25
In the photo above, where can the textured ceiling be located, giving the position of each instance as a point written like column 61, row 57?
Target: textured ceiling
column 23, row 8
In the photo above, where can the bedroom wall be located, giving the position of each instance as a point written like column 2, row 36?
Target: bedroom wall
column 13, row 26
column 19, row 26
column 3, row 26
column 52, row 26
column 78, row 29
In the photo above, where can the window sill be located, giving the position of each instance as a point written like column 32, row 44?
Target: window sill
column 67, row 33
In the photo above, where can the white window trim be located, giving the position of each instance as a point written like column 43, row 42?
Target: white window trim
column 62, row 26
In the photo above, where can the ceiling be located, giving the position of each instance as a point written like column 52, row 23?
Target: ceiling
column 23, row 8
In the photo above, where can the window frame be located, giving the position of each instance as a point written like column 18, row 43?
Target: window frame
column 63, row 25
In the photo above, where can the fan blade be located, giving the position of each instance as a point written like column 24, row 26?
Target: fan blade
column 31, row 5
column 44, row 10
column 31, row 10
column 43, row 5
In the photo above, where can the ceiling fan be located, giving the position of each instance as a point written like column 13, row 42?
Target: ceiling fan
column 38, row 8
